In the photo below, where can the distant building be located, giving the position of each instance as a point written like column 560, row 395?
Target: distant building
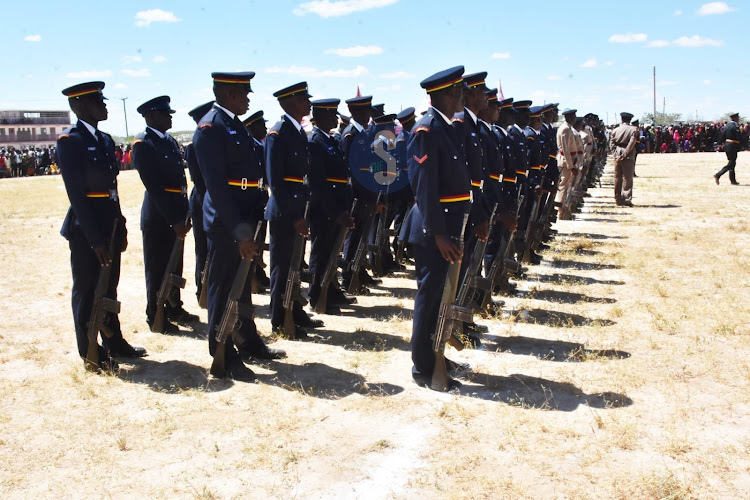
column 32, row 128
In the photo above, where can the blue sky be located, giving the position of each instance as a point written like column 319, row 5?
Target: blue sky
column 592, row 55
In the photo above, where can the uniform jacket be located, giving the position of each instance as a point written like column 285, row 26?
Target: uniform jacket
column 199, row 185
column 470, row 136
column 535, row 152
column 551, row 173
column 732, row 137
column 567, row 150
column 439, row 180
column 510, row 165
column 89, row 170
column 328, row 177
column 351, row 134
column 287, row 164
column 160, row 165
column 231, row 170
column 624, row 139
column 520, row 151
column 494, row 165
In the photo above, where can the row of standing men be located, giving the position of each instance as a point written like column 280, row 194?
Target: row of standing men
column 470, row 153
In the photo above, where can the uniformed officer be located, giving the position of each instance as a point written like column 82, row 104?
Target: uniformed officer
column 196, row 200
column 402, row 201
column 256, row 126
column 157, row 157
column 623, row 141
column 330, row 200
column 442, row 191
column 521, row 153
column 232, row 171
column 86, row 157
column 731, row 138
column 536, row 150
column 551, row 172
column 360, row 109
column 338, row 134
column 287, row 164
column 567, row 150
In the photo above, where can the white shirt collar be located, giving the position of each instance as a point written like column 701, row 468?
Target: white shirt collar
column 91, row 129
column 231, row 115
column 504, row 131
column 359, row 127
column 323, row 131
column 472, row 115
column 519, row 128
column 447, row 120
column 257, row 142
column 294, row 122
column 160, row 134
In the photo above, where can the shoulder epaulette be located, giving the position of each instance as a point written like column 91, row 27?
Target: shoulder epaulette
column 421, row 128
column 204, row 125
column 459, row 120
column 137, row 141
column 62, row 136
column 531, row 137
column 273, row 132
column 348, row 134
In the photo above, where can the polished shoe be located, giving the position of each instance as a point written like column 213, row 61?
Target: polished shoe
column 305, row 276
column 122, row 349
column 337, row 297
column 542, row 246
column 180, row 315
column 735, row 183
column 237, row 370
column 455, row 366
column 299, row 333
column 716, row 179
column 473, row 340
column 535, row 258
column 627, row 203
column 368, row 280
column 169, row 327
column 267, row 353
column 308, row 322
column 106, row 365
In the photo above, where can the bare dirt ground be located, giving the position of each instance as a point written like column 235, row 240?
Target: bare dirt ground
column 620, row 370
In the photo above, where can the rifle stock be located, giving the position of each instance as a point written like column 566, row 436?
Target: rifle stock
column 203, row 299
column 233, row 312
column 381, row 235
column 291, row 292
column 449, row 313
column 169, row 282
column 102, row 305
column 333, row 263
column 501, row 262
column 530, row 227
column 361, row 253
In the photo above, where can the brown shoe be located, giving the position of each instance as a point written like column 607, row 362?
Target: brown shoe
column 716, row 179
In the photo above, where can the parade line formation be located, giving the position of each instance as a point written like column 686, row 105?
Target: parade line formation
column 470, row 189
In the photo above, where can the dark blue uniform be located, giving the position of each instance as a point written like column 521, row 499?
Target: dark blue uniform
column 521, row 153
column 732, row 139
column 287, row 164
column 232, row 171
column 89, row 169
column 442, row 191
column 196, row 213
column 330, row 197
column 551, row 173
column 508, row 192
column 159, row 163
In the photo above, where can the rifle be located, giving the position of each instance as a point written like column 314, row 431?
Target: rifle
column 291, row 292
column 501, row 262
column 203, row 299
column 169, row 282
column 361, row 253
column 448, row 315
column 255, row 284
column 401, row 248
column 530, row 228
column 102, row 305
column 333, row 265
column 381, row 237
column 233, row 312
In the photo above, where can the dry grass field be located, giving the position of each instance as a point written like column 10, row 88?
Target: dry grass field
column 620, row 370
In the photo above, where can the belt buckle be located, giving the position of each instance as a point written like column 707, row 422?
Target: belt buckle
column 113, row 194
column 261, row 186
column 243, row 186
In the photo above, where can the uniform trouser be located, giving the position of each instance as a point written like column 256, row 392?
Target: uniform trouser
column 323, row 232
column 400, row 208
column 283, row 235
column 158, row 240
column 624, row 170
column 201, row 248
column 431, row 271
column 85, row 269
column 729, row 167
column 222, row 269
column 362, row 224
column 564, row 185
column 519, row 238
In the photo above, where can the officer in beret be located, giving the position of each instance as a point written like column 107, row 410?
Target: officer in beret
column 732, row 138
column 233, row 172
column 442, row 191
column 567, row 151
column 86, row 157
column 330, row 200
column 360, row 109
column 164, row 214
column 287, row 164
column 196, row 200
column 623, row 141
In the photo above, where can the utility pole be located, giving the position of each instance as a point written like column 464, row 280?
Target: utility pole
column 125, row 114
column 654, row 95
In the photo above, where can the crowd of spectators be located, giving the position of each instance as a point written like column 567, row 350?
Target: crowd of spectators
column 685, row 138
column 23, row 162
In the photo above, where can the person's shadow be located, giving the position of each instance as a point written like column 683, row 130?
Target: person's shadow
column 360, row 340
column 556, row 278
column 558, row 319
column 322, row 381
column 561, row 297
column 169, row 377
column 551, row 350
column 537, row 393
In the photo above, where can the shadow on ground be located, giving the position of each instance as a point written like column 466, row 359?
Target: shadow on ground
column 558, row 319
column 322, row 381
column 573, row 264
column 551, row 350
column 169, row 377
column 570, row 279
column 564, row 297
column 537, row 393
column 593, row 236
column 360, row 340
